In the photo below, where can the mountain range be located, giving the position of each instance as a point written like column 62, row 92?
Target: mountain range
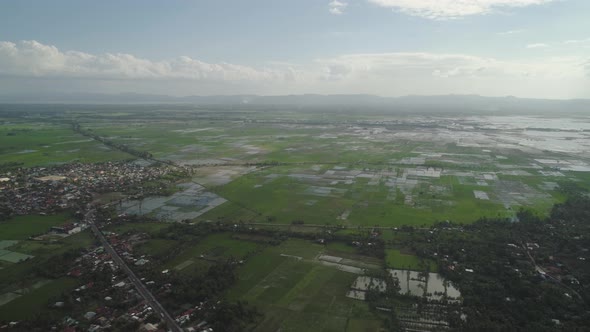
column 460, row 103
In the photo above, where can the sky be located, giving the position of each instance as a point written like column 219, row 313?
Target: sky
column 523, row 48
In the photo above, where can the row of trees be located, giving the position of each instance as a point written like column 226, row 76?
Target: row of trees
column 205, row 287
column 506, row 290
column 119, row 146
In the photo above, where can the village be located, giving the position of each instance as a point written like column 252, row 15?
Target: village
column 46, row 190
column 116, row 301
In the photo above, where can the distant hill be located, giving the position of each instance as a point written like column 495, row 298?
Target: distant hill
column 440, row 103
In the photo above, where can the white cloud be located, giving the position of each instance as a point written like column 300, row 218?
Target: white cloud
column 511, row 32
column 450, row 9
column 337, row 7
column 537, row 45
column 387, row 74
column 577, row 41
column 31, row 58
column 404, row 65
column 429, row 73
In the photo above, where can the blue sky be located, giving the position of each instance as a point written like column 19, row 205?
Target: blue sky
column 528, row 48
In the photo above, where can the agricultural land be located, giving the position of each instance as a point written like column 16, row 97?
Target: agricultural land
column 240, row 219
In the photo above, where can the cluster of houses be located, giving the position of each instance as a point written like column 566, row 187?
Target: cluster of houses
column 102, row 313
column 188, row 318
column 121, row 290
column 47, row 190
column 68, row 229
column 192, row 315
column 548, row 268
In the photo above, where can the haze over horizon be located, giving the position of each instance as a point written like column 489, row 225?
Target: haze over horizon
column 390, row 48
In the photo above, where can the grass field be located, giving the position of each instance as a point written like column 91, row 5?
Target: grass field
column 273, row 195
column 15, row 276
column 30, row 304
column 147, row 227
column 395, row 259
column 216, row 247
column 287, row 282
column 36, row 144
column 341, row 247
column 22, row 227
column 155, row 247
column 43, row 252
column 300, row 294
column 184, row 136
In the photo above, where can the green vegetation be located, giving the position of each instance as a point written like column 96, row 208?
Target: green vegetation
column 213, row 248
column 36, row 301
column 272, row 196
column 294, row 178
column 286, row 282
column 47, row 256
column 300, row 294
column 502, row 286
column 305, row 143
column 147, row 227
column 156, row 247
column 41, row 143
column 22, row 227
column 395, row 259
column 341, row 247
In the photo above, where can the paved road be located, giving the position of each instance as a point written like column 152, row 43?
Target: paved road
column 542, row 271
column 145, row 293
